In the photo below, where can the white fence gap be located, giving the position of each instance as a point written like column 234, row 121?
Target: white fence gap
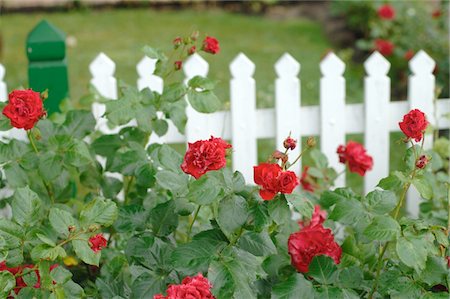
column 332, row 111
column 377, row 93
column 287, row 102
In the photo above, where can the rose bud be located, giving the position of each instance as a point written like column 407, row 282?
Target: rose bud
column 177, row 42
column 191, row 50
column 71, row 228
column 422, row 162
column 97, row 242
column 290, row 143
column 211, row 45
column 311, row 142
column 178, row 64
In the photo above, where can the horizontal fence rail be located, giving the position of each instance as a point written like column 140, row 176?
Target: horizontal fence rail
column 331, row 120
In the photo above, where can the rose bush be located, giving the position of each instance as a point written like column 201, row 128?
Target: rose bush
column 185, row 226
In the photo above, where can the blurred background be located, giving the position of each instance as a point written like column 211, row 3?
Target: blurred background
column 263, row 30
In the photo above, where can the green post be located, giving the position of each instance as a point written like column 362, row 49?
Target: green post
column 47, row 69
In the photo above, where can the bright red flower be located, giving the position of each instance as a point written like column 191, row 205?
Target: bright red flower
column 266, row 175
column 422, row 162
column 355, row 156
column 197, row 287
column 97, row 242
column 290, row 143
column 311, row 241
column 178, row 64
column 192, row 50
column 414, row 124
column 205, row 155
column 386, row 12
column 304, row 180
column 24, row 108
column 385, row 47
column 211, row 45
column 287, row 181
column 409, row 54
column 436, row 13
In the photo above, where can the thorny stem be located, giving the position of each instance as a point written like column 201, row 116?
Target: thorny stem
column 47, row 185
column 192, row 222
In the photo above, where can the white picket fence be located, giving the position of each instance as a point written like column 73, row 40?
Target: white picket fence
column 331, row 120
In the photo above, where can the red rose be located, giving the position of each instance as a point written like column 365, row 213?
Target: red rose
column 20, row 283
column 436, row 14
column 354, row 154
column 177, row 42
column 205, row 155
column 266, row 175
column 422, row 162
column 409, row 54
column 290, row 143
column 192, row 50
column 197, row 287
column 287, row 181
column 211, row 45
column 385, row 47
column 97, row 242
column 386, row 12
column 178, row 64
column 414, row 124
column 312, row 240
column 305, row 180
column 24, row 108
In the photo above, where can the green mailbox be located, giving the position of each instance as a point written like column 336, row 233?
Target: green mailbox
column 47, row 69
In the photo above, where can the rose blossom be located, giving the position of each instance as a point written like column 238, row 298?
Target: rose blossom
column 205, row 155
column 191, row 50
column 414, row 124
column 386, row 12
column 266, row 175
column 385, row 47
column 409, row 54
column 20, row 283
column 197, row 287
column 178, row 64
column 422, row 162
column 304, row 180
column 97, row 242
column 24, row 108
column 211, row 45
column 290, row 143
column 354, row 154
column 311, row 241
column 287, row 181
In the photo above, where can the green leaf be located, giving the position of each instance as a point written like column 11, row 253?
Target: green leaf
column 78, row 123
column 258, row 244
column 160, row 126
column 383, row 229
column 26, row 206
column 204, row 191
column 175, row 182
column 60, row 220
column 145, row 175
column 154, row 53
column 202, row 83
column 15, row 175
column 279, row 210
column 348, row 211
column 177, row 114
column 412, row 252
column 435, row 271
column 351, row 277
column 166, row 157
column 424, row 187
column 50, row 166
column 84, row 251
column 163, row 218
column 61, row 275
column 78, row 154
column 46, row 240
column 323, row 269
column 30, row 277
column 47, row 252
column 320, row 160
column 173, row 92
column 232, row 213
column 204, row 101
column 44, row 273
column 301, row 204
column 131, row 218
column 100, row 211
column 329, row 198
column 107, row 145
column 259, row 214
column 381, row 202
column 7, row 283
column 147, row 285
column 296, row 286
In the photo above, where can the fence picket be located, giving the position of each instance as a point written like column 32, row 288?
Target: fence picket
column 421, row 94
column 377, row 92
column 243, row 115
column 332, row 111
column 287, row 102
column 3, row 89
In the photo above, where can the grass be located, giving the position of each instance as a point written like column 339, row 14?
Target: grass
column 122, row 33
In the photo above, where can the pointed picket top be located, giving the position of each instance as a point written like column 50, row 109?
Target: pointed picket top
column 146, row 66
column 422, row 63
column 377, row 65
column 287, row 66
column 102, row 65
column 242, row 66
column 332, row 66
column 2, row 72
column 195, row 65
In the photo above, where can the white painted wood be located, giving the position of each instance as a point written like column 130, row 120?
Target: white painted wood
column 287, row 102
column 377, row 92
column 332, row 111
column 243, row 116
column 197, row 126
column 145, row 68
column 3, row 89
column 421, row 94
